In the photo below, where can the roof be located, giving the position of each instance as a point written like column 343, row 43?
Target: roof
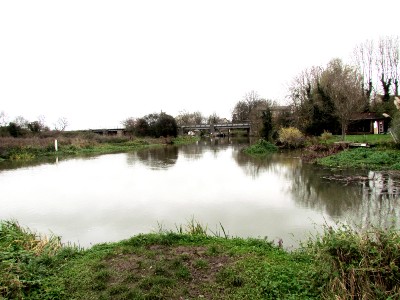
column 367, row 116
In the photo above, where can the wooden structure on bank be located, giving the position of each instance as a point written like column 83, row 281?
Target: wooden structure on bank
column 368, row 123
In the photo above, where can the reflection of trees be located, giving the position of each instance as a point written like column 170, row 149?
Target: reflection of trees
column 195, row 151
column 310, row 189
column 380, row 201
column 155, row 158
column 375, row 200
column 307, row 185
column 11, row 165
column 254, row 166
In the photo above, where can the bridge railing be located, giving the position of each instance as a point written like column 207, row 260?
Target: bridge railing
column 227, row 125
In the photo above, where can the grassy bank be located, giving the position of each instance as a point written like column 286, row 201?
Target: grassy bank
column 383, row 153
column 373, row 139
column 373, row 158
column 189, row 264
column 22, row 149
column 185, row 140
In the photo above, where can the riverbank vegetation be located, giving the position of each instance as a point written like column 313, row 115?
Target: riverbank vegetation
column 379, row 152
column 365, row 158
column 261, row 147
column 189, row 264
column 78, row 143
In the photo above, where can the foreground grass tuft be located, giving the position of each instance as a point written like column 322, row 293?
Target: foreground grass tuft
column 358, row 265
column 339, row 264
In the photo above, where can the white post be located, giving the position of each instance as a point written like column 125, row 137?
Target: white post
column 55, row 145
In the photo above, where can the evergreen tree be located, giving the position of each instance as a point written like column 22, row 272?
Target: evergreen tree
column 267, row 124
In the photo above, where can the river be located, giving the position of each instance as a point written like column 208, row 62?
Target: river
column 112, row 197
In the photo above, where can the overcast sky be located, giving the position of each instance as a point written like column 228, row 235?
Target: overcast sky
column 97, row 62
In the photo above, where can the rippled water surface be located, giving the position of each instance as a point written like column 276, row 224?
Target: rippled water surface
column 112, row 197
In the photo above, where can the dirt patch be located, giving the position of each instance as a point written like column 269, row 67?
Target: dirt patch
column 189, row 269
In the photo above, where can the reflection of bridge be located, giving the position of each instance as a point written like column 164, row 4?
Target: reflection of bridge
column 215, row 127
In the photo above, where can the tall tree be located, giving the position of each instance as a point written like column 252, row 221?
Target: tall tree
column 129, row 125
column 214, row 119
column 384, row 65
column 187, row 118
column 61, row 124
column 243, row 108
column 364, row 59
column 166, row 126
column 156, row 125
column 313, row 110
column 394, row 60
column 3, row 119
column 267, row 128
column 341, row 83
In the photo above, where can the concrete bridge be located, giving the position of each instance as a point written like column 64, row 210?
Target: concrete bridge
column 112, row 131
column 216, row 127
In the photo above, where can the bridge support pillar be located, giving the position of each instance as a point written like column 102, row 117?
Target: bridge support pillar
column 212, row 129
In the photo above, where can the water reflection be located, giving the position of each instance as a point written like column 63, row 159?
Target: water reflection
column 155, row 158
column 255, row 166
column 380, row 204
column 211, row 145
column 360, row 198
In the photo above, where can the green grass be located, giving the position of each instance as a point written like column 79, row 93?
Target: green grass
column 185, row 140
column 371, row 158
column 357, row 264
column 165, row 265
column 373, row 139
column 338, row 264
column 262, row 147
column 74, row 147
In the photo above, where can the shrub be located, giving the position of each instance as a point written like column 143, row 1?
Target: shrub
column 261, row 147
column 396, row 128
column 291, row 137
column 326, row 135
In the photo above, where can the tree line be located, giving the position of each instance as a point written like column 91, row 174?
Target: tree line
column 20, row 127
column 321, row 98
column 326, row 98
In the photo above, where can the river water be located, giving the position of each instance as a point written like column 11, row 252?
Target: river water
column 112, row 197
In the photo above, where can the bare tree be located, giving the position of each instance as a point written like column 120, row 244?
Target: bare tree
column 42, row 123
column 3, row 119
column 301, row 95
column 61, row 124
column 186, row 118
column 243, row 108
column 21, row 122
column 342, row 84
column 214, row 119
column 394, row 63
column 364, row 59
column 384, row 65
